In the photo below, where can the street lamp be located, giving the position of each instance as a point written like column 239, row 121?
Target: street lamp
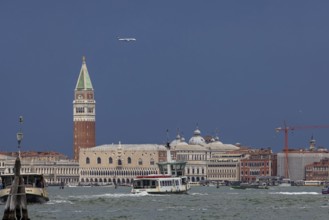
column 19, row 138
column 19, row 134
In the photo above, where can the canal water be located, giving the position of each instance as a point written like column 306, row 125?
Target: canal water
column 96, row 203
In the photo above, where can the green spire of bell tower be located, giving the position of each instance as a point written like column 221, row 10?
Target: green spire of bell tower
column 84, row 82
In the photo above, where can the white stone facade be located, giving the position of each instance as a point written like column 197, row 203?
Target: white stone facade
column 119, row 163
column 55, row 172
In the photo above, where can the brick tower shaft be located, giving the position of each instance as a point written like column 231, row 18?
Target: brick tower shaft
column 84, row 112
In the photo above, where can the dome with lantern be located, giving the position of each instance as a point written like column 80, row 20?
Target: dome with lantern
column 215, row 144
column 197, row 139
column 179, row 140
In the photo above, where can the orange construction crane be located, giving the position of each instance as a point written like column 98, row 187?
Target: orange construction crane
column 292, row 128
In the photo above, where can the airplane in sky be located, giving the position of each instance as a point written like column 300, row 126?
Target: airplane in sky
column 126, row 39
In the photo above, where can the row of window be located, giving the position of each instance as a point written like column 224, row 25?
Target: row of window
column 318, row 174
column 100, row 180
column 117, row 172
column 254, row 164
column 317, row 168
column 221, row 171
column 65, row 180
column 82, row 110
column 222, row 176
column 203, row 157
column 222, row 165
column 47, row 170
column 193, row 171
column 254, row 173
column 191, row 157
column 119, row 161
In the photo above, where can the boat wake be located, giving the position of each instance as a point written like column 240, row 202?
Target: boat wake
column 108, row 195
column 73, row 199
column 198, row 194
column 141, row 194
column 295, row 193
column 59, row 201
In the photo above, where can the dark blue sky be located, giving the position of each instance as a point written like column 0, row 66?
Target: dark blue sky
column 239, row 67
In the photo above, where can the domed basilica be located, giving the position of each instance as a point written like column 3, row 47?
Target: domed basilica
column 120, row 163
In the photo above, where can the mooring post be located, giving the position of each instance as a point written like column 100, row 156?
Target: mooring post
column 16, row 205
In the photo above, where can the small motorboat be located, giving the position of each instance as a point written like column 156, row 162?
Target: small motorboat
column 325, row 190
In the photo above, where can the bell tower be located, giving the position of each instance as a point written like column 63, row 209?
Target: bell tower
column 83, row 112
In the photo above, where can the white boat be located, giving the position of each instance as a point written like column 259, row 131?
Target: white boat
column 35, row 187
column 171, row 179
column 313, row 183
column 285, row 182
column 160, row 184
